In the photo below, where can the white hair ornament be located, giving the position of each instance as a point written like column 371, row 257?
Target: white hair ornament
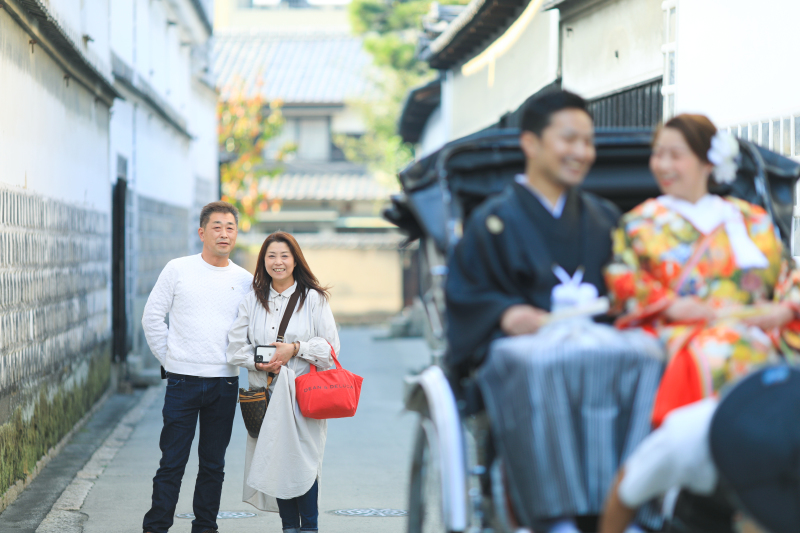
column 724, row 155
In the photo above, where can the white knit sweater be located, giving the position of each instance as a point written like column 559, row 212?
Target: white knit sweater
column 202, row 302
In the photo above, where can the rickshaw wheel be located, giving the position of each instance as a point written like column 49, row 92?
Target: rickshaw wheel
column 425, row 504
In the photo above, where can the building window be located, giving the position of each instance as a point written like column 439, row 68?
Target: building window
column 776, row 136
column 669, row 50
column 638, row 106
column 786, row 137
column 754, row 133
column 781, row 135
column 797, row 136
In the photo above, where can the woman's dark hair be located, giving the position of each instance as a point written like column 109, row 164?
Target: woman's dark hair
column 698, row 131
column 539, row 109
column 302, row 274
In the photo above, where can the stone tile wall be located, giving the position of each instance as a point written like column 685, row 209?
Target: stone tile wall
column 55, row 327
column 161, row 236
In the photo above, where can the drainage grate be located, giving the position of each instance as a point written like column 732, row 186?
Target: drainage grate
column 221, row 515
column 370, row 512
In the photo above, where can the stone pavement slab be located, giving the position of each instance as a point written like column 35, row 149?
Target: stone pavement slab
column 366, row 458
column 27, row 512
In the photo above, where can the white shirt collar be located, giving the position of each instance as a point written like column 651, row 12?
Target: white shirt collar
column 285, row 294
column 555, row 210
column 708, row 213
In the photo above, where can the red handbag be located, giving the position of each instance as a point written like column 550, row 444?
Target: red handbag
column 329, row 394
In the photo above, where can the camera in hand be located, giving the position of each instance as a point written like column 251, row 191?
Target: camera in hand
column 264, row 353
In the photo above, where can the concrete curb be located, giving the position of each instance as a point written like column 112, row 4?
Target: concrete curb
column 65, row 516
column 16, row 489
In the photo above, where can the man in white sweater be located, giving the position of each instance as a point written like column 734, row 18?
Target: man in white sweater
column 201, row 294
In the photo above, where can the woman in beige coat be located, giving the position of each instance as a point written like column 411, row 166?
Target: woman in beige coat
column 282, row 466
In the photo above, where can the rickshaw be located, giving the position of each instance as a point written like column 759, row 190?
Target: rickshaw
column 454, row 485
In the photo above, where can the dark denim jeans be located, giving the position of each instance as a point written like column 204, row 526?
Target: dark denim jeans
column 301, row 512
column 213, row 401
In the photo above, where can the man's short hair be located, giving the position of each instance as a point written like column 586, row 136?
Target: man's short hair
column 538, row 110
column 217, row 207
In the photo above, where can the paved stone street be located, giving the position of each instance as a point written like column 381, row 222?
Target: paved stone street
column 366, row 458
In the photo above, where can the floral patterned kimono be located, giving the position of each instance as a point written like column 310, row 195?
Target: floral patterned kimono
column 659, row 255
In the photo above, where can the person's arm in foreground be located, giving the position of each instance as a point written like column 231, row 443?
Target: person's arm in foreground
column 675, row 455
column 616, row 515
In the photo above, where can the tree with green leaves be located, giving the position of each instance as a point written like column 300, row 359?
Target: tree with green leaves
column 245, row 126
column 391, row 30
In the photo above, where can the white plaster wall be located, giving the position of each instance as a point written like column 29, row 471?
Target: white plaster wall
column 162, row 162
column 203, row 124
column 122, row 130
column 54, row 138
column 734, row 59
column 630, row 29
column 86, row 17
column 67, row 13
column 122, row 19
column 434, row 134
column 163, row 167
column 501, row 84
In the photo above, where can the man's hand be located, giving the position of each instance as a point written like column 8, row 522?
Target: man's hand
column 771, row 315
column 522, row 320
column 689, row 309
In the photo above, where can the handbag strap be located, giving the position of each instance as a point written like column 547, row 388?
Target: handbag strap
column 336, row 362
column 287, row 314
column 698, row 252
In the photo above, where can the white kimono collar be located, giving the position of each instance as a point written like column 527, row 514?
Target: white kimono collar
column 285, row 294
column 708, row 213
column 555, row 210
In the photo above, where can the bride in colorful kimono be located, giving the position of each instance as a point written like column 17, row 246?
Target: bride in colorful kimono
column 707, row 274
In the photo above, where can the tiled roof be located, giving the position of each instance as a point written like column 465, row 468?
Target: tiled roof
column 335, row 241
column 312, row 68
column 325, row 187
column 471, row 31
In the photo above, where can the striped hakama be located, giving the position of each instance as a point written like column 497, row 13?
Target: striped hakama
column 568, row 405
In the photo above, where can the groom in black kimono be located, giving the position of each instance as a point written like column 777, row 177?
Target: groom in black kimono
column 500, row 275
column 558, row 427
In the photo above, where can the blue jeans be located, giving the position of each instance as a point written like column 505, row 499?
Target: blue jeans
column 213, row 400
column 300, row 512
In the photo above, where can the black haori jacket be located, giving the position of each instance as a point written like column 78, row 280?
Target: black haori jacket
column 506, row 256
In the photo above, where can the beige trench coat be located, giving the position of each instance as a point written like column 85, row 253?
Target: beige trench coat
column 286, row 458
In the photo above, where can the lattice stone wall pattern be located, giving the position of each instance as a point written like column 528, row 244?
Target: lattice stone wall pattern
column 54, row 292
column 161, row 237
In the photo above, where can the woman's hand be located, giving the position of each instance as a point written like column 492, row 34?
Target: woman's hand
column 284, row 352
column 689, row 309
column 770, row 315
column 262, row 367
column 522, row 320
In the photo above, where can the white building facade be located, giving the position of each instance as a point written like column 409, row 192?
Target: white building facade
column 744, row 85
column 163, row 145
column 96, row 97
column 56, row 92
column 636, row 61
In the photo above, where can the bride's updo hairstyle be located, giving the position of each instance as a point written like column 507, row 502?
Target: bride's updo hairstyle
column 696, row 129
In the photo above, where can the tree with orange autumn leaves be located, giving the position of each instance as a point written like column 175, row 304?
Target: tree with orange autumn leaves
column 246, row 124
